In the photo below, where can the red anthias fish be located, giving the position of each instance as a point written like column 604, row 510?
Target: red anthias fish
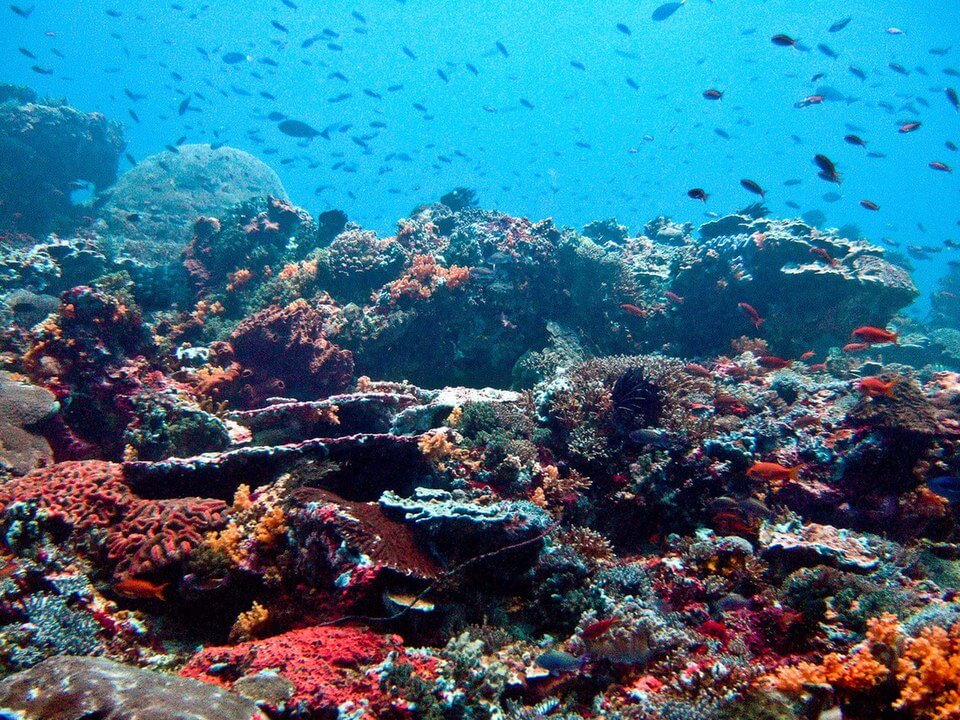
column 871, row 334
column 751, row 312
column 633, row 310
column 772, row 362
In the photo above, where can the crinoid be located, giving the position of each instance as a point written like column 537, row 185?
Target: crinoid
column 635, row 401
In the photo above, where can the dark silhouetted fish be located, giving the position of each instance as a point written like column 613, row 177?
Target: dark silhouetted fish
column 952, row 97
column 297, row 129
column 665, row 11
column 855, row 140
column 624, row 29
column 290, row 4
column 828, row 51
column 840, row 25
column 471, row 68
column 184, row 106
column 17, row 10
column 632, row 83
column 280, row 27
column 232, row 58
column 857, row 72
column 358, row 17
column 501, row 48
column 783, row 41
column 578, row 65
column 408, row 52
column 442, row 75
column 828, row 170
column 753, row 187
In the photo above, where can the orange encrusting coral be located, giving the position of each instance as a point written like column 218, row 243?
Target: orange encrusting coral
column 926, row 669
column 424, row 276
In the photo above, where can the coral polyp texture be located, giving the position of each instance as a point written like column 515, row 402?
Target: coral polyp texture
column 483, row 466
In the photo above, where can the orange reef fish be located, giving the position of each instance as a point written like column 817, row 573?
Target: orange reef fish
column 876, row 387
column 772, row 472
column 136, row 589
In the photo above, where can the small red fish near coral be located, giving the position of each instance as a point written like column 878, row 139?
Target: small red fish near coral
column 807, row 355
column 697, row 370
column 818, row 367
column 772, row 362
column 598, row 628
column 772, row 472
column 633, row 310
column 751, row 312
column 875, row 387
column 136, row 589
column 871, row 334
column 673, row 297
column 855, row 347
column 824, row 255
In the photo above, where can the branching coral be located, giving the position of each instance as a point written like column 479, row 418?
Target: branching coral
column 925, row 670
column 424, row 277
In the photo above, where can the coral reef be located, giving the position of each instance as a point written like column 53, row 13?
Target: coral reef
column 47, row 147
column 483, row 467
column 153, row 205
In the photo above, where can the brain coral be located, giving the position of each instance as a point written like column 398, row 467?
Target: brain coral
column 138, row 536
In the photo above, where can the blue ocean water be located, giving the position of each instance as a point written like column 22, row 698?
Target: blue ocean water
column 626, row 135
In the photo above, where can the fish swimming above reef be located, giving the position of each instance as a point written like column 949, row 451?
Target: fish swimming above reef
column 666, row 10
column 298, row 129
column 137, row 589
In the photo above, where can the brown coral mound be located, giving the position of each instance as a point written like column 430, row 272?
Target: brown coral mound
column 287, row 350
column 71, row 688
